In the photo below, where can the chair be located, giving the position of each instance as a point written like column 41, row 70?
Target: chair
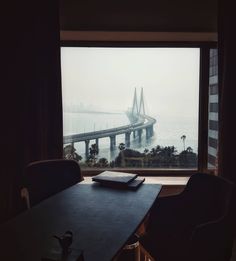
column 48, row 177
column 195, row 225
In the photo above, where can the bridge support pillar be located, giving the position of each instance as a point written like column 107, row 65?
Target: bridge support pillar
column 97, row 144
column 151, row 130
column 148, row 133
column 112, row 142
column 127, row 139
column 87, row 148
column 140, row 131
column 134, row 134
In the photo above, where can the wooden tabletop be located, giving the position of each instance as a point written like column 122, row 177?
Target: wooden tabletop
column 101, row 219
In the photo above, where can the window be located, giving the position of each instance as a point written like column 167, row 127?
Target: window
column 132, row 107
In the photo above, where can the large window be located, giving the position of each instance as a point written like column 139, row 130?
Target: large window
column 131, row 107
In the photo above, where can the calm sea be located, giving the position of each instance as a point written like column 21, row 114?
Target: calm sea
column 167, row 132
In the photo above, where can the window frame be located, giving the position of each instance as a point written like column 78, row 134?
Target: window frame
column 204, row 47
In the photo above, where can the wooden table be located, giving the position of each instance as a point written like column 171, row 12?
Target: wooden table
column 101, row 219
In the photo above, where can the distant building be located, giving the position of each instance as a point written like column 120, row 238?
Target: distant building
column 213, row 109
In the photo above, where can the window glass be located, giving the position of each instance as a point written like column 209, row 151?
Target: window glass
column 131, row 107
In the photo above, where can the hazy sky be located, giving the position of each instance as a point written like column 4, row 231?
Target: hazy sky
column 105, row 79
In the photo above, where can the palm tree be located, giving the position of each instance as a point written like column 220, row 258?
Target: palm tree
column 183, row 137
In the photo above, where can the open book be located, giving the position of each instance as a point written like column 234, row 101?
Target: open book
column 119, row 179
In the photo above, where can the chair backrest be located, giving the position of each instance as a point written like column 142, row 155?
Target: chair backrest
column 211, row 196
column 213, row 240
column 196, row 224
column 48, row 177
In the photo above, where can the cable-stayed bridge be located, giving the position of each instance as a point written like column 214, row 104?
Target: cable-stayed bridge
column 139, row 122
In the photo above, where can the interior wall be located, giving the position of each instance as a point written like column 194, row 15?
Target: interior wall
column 130, row 15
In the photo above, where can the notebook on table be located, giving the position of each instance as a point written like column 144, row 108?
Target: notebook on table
column 119, row 179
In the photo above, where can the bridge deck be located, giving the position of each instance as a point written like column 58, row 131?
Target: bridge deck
column 144, row 122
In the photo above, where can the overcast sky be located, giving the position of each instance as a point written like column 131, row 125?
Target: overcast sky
column 105, row 79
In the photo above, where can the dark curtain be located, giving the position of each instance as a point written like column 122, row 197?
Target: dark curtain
column 31, row 102
column 227, row 84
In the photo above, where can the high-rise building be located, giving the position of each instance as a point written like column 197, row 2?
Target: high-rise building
column 213, row 109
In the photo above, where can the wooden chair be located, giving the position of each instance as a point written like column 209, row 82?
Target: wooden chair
column 195, row 225
column 48, row 177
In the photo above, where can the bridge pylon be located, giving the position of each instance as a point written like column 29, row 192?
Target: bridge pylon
column 135, row 108
column 141, row 109
column 138, row 109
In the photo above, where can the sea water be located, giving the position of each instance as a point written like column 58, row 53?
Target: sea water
column 167, row 132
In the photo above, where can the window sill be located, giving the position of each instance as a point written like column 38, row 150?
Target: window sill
column 146, row 172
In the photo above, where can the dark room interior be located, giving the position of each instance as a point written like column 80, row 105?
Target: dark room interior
column 31, row 99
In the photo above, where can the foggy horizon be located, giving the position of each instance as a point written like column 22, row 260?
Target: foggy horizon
column 104, row 79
